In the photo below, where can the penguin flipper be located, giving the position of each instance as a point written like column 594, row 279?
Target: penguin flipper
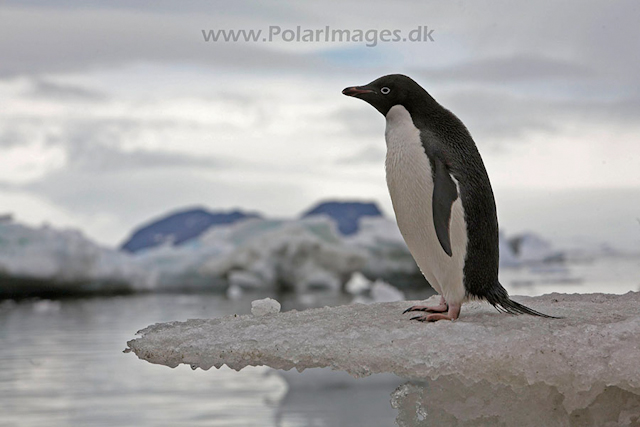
column 445, row 193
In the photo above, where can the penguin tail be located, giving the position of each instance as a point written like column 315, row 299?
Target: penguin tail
column 500, row 299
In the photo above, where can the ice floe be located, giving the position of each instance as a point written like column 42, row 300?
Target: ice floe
column 587, row 357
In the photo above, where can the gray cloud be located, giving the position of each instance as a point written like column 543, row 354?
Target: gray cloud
column 503, row 42
column 94, row 145
column 12, row 136
column 505, row 69
column 360, row 121
column 372, row 154
column 36, row 40
column 51, row 90
column 135, row 197
column 500, row 117
column 101, row 159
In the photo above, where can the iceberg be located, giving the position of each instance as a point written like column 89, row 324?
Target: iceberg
column 530, row 248
column 43, row 260
column 387, row 254
column 258, row 254
column 250, row 254
column 590, row 357
column 297, row 255
column 368, row 292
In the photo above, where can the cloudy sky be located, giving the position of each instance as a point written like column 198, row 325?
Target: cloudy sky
column 113, row 114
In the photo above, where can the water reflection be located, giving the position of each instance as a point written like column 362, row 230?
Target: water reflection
column 62, row 365
column 321, row 397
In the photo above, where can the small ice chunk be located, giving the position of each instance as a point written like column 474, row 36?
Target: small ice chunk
column 380, row 291
column 357, row 284
column 46, row 306
column 234, row 292
column 384, row 292
column 263, row 307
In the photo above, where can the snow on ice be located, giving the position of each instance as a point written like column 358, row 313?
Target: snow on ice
column 590, row 356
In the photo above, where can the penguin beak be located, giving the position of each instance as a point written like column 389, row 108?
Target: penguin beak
column 357, row 90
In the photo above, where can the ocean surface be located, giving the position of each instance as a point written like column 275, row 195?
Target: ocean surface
column 62, row 362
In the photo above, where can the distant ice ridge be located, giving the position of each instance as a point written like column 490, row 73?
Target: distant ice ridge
column 244, row 254
column 257, row 254
column 46, row 253
column 486, row 366
column 298, row 255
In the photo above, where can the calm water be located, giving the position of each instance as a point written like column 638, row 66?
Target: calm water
column 61, row 363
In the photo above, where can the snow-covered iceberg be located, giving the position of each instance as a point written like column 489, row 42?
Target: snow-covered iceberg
column 585, row 358
column 387, row 253
column 530, row 248
column 52, row 260
column 233, row 252
column 300, row 254
column 259, row 253
column 292, row 255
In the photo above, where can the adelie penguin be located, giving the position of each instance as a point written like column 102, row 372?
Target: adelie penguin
column 441, row 196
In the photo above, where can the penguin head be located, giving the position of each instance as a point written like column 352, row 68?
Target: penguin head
column 387, row 91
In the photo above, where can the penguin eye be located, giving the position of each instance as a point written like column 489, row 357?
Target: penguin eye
column 385, row 90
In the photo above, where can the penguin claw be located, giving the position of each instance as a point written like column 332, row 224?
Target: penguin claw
column 432, row 317
column 437, row 309
column 452, row 313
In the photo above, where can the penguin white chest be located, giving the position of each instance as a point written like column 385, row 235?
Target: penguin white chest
column 410, row 183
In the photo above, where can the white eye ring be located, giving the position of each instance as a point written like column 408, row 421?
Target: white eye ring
column 385, row 90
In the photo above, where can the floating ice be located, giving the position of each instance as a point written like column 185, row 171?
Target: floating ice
column 259, row 253
column 379, row 291
column 66, row 256
column 298, row 255
column 357, row 284
column 265, row 306
column 595, row 349
column 244, row 280
column 254, row 254
column 387, row 253
column 234, row 292
column 382, row 291
column 531, row 248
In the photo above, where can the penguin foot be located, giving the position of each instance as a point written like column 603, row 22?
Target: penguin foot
column 452, row 314
column 432, row 317
column 437, row 309
column 440, row 308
